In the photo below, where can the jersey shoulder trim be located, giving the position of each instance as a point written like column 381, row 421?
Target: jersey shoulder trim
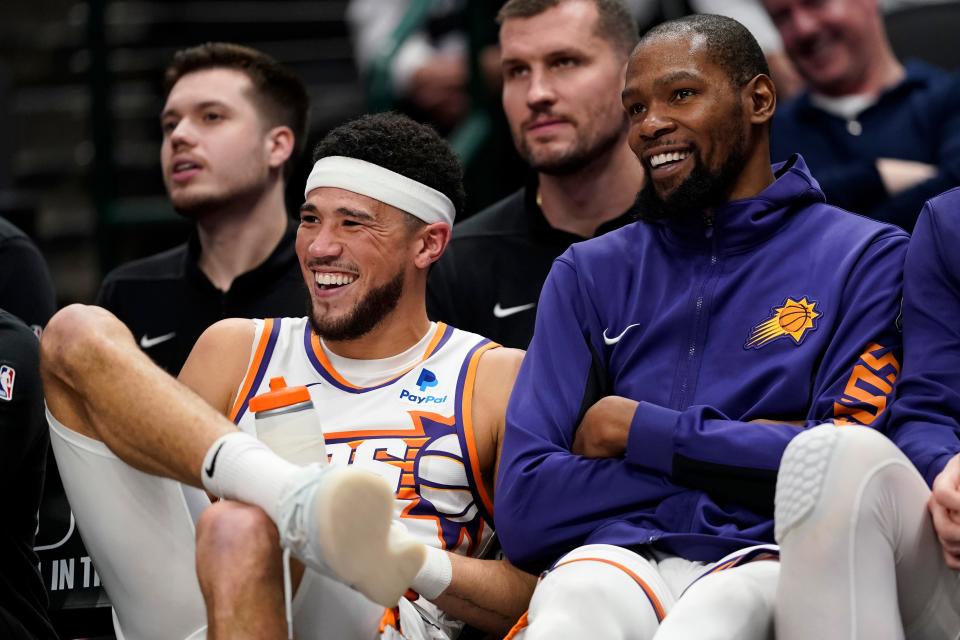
column 322, row 365
column 257, row 368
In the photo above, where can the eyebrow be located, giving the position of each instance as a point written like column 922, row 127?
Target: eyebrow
column 677, row 76
column 356, row 214
column 554, row 53
column 202, row 105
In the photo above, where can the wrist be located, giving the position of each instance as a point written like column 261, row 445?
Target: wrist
column 435, row 575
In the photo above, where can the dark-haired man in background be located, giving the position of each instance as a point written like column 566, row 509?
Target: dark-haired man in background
column 675, row 358
column 418, row 406
column 233, row 125
column 562, row 64
column 880, row 137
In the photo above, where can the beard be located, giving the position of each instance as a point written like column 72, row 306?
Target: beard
column 365, row 315
column 576, row 157
column 702, row 190
column 200, row 205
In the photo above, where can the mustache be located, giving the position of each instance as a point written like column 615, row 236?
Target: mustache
column 540, row 116
column 332, row 263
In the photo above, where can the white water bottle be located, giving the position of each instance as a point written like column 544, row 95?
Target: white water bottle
column 288, row 423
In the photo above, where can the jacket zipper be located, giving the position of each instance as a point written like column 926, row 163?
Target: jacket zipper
column 693, row 349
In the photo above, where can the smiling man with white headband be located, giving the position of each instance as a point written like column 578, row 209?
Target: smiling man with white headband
column 419, row 404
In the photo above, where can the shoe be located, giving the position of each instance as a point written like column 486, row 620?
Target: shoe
column 338, row 521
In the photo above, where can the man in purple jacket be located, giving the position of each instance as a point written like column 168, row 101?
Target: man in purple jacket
column 674, row 359
column 865, row 542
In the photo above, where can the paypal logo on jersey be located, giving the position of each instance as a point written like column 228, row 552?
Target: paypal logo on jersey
column 426, row 380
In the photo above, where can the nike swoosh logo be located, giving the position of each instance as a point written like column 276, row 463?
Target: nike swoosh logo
column 213, row 461
column 503, row 312
column 146, row 343
column 612, row 341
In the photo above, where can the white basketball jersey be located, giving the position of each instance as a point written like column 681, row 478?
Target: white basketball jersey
column 414, row 430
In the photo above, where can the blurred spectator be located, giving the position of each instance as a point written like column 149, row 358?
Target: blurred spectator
column 233, row 125
column 429, row 72
column 430, row 69
column 26, row 289
column 880, row 138
column 23, row 450
column 563, row 73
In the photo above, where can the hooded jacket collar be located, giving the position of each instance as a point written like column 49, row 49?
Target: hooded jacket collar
column 740, row 224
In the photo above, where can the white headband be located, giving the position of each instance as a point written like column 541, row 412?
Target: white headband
column 381, row 184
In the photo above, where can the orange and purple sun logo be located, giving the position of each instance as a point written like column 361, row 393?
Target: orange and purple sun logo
column 793, row 319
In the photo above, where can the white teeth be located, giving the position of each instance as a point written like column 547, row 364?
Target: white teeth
column 663, row 158
column 183, row 166
column 333, row 279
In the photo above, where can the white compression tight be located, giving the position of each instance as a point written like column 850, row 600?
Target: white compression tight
column 603, row 591
column 859, row 556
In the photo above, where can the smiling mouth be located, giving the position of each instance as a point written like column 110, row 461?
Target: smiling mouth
column 327, row 281
column 667, row 159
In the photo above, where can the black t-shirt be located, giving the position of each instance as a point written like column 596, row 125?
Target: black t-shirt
column 489, row 279
column 167, row 301
column 23, row 448
column 26, row 289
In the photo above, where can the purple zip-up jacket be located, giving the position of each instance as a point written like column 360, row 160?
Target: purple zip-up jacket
column 923, row 419
column 784, row 308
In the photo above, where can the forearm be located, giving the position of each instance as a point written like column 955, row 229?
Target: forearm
column 487, row 594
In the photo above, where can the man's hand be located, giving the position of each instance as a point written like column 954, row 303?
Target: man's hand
column 605, row 427
column 945, row 508
column 899, row 175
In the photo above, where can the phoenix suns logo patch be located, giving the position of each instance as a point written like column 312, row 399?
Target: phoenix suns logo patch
column 793, row 319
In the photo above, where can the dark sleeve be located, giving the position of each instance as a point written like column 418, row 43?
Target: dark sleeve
column 923, row 420
column 26, row 289
column 550, row 500
column 702, row 448
column 903, row 208
column 106, row 294
column 855, row 186
column 442, row 290
column 22, row 423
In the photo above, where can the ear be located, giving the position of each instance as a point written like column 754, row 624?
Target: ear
column 279, row 143
column 432, row 241
column 760, row 99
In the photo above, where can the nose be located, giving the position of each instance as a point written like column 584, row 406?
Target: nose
column 654, row 124
column 803, row 24
column 540, row 91
column 182, row 134
column 326, row 243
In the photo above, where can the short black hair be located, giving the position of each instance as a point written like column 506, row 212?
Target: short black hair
column 615, row 23
column 279, row 94
column 395, row 142
column 729, row 44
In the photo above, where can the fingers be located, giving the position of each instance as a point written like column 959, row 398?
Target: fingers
column 578, row 444
column 948, row 533
column 946, row 493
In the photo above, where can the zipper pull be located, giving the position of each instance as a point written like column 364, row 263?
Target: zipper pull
column 708, row 226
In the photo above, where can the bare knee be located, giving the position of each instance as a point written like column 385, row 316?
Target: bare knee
column 75, row 336
column 240, row 571
column 233, row 534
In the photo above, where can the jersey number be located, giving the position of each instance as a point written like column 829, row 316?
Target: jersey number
column 365, row 456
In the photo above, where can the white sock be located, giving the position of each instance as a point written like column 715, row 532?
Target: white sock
column 240, row 467
column 435, row 575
